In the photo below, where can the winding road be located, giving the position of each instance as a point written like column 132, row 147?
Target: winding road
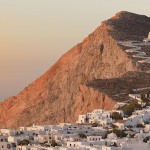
column 135, row 48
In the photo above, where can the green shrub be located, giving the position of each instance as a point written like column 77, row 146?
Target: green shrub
column 83, row 136
column 129, row 109
column 94, row 124
column 146, row 139
column 119, row 133
column 116, row 116
column 113, row 126
column 140, row 126
column 53, row 143
column 24, row 142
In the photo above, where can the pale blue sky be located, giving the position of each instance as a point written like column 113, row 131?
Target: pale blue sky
column 35, row 33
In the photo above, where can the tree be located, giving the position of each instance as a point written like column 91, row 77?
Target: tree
column 113, row 126
column 119, row 133
column 140, row 126
column 24, row 142
column 94, row 124
column 128, row 109
column 146, row 139
column 83, row 136
column 53, row 143
column 116, row 116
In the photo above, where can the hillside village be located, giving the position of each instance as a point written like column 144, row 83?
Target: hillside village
column 98, row 130
column 126, row 127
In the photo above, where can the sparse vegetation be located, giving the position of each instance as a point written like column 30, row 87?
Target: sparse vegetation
column 119, row 133
column 24, row 142
column 94, row 124
column 146, row 139
column 116, row 116
column 128, row 109
column 53, row 143
column 113, row 126
column 82, row 135
column 140, row 126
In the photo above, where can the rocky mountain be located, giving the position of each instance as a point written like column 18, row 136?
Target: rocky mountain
column 65, row 90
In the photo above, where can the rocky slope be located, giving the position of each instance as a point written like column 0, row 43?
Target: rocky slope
column 61, row 94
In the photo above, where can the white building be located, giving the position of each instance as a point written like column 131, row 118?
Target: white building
column 16, row 139
column 82, row 119
column 8, row 131
column 138, row 117
column 119, row 125
column 99, row 116
column 7, row 146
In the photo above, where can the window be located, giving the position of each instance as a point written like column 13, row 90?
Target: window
column 8, row 146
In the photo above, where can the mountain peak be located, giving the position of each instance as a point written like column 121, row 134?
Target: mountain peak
column 124, row 13
column 127, row 15
column 62, row 93
column 127, row 25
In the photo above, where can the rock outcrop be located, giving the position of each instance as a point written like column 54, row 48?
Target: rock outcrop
column 61, row 94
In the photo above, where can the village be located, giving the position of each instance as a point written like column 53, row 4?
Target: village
column 126, row 127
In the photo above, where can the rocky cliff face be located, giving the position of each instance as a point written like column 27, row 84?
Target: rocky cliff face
column 61, row 94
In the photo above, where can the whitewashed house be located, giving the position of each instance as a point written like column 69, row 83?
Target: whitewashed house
column 147, row 128
column 119, row 125
column 8, row 131
column 23, row 147
column 7, row 146
column 16, row 139
column 4, row 138
column 82, row 119
column 94, row 138
column 78, row 144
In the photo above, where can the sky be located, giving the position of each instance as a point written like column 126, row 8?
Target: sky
column 35, row 33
